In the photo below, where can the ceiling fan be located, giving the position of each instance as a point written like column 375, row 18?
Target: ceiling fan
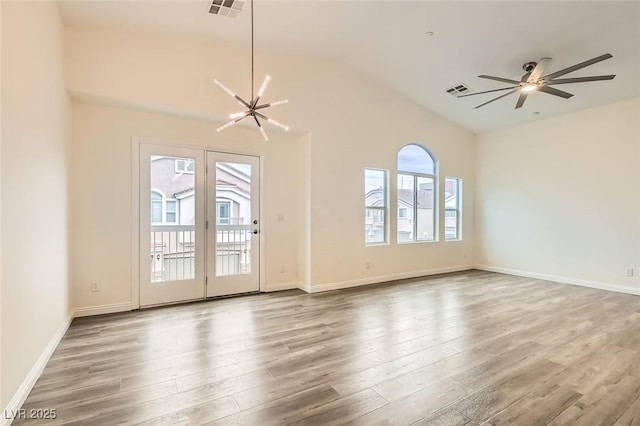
column 533, row 80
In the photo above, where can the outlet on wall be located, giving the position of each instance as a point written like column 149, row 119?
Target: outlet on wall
column 628, row 272
column 95, row 287
column 283, row 269
column 367, row 265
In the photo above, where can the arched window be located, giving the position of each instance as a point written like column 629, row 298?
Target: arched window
column 417, row 195
column 156, row 207
column 163, row 210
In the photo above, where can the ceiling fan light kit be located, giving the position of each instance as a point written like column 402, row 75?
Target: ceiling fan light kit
column 534, row 81
column 253, row 105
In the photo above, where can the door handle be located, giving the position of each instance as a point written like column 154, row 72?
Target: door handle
column 255, row 231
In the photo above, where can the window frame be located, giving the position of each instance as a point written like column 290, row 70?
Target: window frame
column 416, row 176
column 457, row 210
column 377, row 209
column 220, row 202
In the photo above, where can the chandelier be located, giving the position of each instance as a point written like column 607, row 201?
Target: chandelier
column 253, row 109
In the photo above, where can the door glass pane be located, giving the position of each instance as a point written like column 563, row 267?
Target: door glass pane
column 233, row 221
column 172, row 219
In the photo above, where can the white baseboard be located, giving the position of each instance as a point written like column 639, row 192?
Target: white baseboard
column 306, row 287
column 281, row 286
column 34, row 374
column 102, row 309
column 560, row 279
column 384, row 278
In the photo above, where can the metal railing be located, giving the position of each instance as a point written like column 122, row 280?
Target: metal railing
column 173, row 251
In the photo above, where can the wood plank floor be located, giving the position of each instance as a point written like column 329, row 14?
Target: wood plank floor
column 455, row 349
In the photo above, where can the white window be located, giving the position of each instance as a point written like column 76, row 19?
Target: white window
column 375, row 206
column 185, row 165
column 156, row 207
column 452, row 208
column 402, row 212
column 171, row 209
column 417, row 184
column 224, row 212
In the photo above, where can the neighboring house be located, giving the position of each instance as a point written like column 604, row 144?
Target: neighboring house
column 425, row 214
column 374, row 221
column 173, row 209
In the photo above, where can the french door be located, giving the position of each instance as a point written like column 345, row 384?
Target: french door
column 199, row 224
column 233, row 235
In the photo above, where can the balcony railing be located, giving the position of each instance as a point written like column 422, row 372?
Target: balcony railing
column 173, row 251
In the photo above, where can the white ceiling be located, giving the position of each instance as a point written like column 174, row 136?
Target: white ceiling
column 388, row 41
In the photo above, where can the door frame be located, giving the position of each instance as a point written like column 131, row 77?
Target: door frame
column 136, row 141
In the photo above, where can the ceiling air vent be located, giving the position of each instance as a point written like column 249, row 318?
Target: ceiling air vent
column 459, row 90
column 230, row 8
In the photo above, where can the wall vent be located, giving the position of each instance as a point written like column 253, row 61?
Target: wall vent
column 230, row 8
column 459, row 90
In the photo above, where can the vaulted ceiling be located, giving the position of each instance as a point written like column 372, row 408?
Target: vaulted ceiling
column 390, row 42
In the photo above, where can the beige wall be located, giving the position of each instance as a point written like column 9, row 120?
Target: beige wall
column 35, row 116
column 351, row 122
column 101, row 184
column 561, row 196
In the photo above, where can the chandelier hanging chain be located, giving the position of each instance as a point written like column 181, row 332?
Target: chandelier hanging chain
column 252, row 106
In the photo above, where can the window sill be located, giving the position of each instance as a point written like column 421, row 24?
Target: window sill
column 417, row 242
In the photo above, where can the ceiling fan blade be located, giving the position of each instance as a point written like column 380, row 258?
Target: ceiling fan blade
column 486, row 91
column 578, row 66
column 538, row 70
column 504, row 80
column 581, row 79
column 495, row 99
column 556, row 92
column 521, row 99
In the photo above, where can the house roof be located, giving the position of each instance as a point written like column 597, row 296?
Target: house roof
column 374, row 198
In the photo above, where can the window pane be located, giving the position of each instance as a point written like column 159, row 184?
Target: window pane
column 171, row 211
column 451, row 225
column 224, row 212
column 413, row 158
column 405, row 201
column 375, row 203
column 374, row 188
column 156, row 211
column 374, row 226
column 451, row 193
column 425, row 209
column 452, row 205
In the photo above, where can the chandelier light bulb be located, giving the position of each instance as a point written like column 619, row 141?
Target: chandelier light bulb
column 265, row 83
